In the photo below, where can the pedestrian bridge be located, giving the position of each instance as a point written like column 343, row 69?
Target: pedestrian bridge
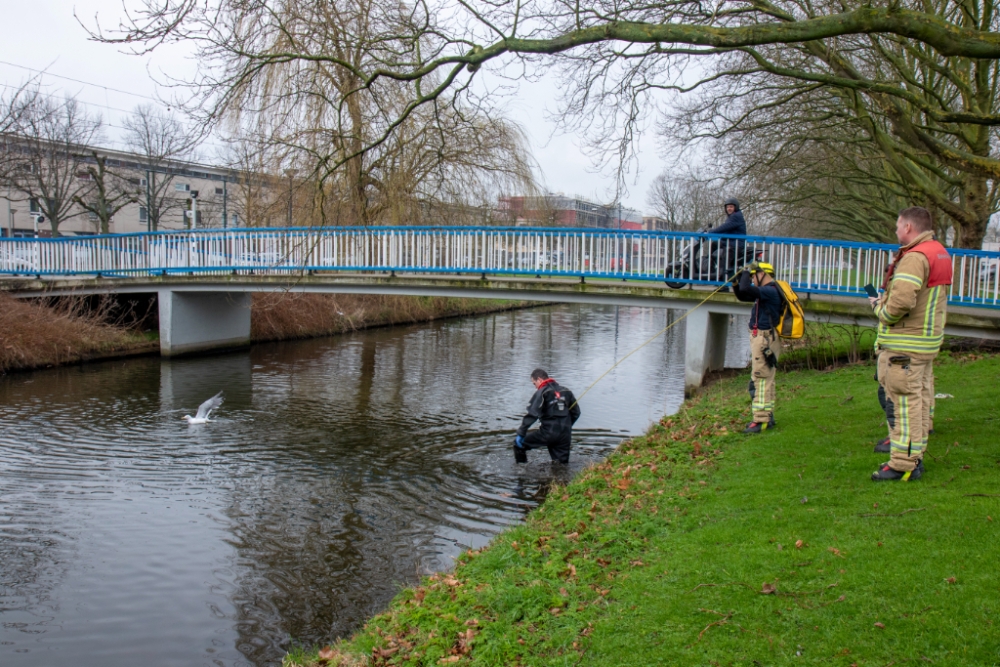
column 204, row 278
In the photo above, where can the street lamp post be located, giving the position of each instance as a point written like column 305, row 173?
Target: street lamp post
column 10, row 214
column 291, row 174
column 194, row 209
column 149, row 201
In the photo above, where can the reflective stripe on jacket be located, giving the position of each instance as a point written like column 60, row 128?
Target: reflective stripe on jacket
column 913, row 310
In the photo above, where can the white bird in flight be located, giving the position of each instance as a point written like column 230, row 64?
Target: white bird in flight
column 204, row 409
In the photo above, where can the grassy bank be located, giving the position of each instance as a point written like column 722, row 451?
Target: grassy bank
column 37, row 335
column 697, row 545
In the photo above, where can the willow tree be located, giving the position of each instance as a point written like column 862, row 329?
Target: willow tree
column 294, row 75
column 392, row 59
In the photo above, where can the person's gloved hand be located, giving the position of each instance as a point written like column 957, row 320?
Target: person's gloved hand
column 519, row 442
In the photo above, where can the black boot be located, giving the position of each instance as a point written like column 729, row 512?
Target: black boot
column 520, row 455
column 887, row 474
column 883, row 446
column 758, row 427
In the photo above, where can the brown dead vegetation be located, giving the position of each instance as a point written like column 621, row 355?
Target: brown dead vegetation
column 288, row 315
column 34, row 335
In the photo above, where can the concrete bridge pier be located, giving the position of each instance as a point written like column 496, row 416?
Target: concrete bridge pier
column 203, row 321
column 705, row 346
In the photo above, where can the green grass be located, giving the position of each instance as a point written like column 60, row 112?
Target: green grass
column 697, row 545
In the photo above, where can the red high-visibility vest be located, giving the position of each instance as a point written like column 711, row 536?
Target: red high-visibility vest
column 938, row 258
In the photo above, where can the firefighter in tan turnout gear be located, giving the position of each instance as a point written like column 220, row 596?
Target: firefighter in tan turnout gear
column 911, row 317
column 756, row 284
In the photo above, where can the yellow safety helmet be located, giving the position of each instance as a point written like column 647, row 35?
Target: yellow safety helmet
column 765, row 267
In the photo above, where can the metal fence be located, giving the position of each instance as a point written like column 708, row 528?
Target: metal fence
column 810, row 266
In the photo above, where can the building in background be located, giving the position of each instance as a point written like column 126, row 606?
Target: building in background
column 181, row 195
column 654, row 223
column 558, row 210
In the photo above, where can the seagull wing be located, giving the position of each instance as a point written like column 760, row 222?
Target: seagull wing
column 208, row 406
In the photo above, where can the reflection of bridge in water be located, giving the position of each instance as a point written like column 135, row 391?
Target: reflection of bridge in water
column 203, row 278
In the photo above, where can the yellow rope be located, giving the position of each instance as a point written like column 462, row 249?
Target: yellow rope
column 654, row 337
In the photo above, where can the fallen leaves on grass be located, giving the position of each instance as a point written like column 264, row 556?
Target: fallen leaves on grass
column 951, row 580
column 768, row 589
column 326, row 654
column 880, row 626
column 799, row 544
column 835, row 552
column 383, row 653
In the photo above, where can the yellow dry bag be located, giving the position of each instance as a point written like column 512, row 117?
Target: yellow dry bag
column 792, row 323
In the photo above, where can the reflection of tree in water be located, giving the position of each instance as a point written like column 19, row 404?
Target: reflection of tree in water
column 362, row 499
column 317, row 554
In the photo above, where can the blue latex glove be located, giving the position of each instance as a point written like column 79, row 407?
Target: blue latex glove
column 519, row 442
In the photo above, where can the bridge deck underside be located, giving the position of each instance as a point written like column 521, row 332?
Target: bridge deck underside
column 962, row 321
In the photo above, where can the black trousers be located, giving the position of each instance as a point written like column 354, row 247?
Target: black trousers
column 558, row 442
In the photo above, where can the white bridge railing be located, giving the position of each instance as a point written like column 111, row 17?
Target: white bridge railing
column 812, row 266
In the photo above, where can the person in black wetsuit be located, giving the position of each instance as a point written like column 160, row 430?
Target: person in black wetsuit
column 756, row 284
column 556, row 409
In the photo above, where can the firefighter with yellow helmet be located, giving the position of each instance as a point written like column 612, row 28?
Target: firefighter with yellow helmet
column 756, row 284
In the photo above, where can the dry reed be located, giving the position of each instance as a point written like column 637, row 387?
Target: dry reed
column 33, row 334
column 287, row 315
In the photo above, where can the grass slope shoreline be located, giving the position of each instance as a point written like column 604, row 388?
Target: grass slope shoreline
column 697, row 545
column 35, row 335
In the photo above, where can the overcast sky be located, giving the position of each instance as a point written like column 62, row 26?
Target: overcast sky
column 44, row 35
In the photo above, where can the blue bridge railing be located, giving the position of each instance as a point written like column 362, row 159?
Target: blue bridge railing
column 809, row 265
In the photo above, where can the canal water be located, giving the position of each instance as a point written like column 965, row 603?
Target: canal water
column 337, row 471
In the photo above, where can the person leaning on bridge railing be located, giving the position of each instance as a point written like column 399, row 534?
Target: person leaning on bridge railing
column 911, row 314
column 756, row 283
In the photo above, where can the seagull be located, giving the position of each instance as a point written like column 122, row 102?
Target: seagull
column 204, row 409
